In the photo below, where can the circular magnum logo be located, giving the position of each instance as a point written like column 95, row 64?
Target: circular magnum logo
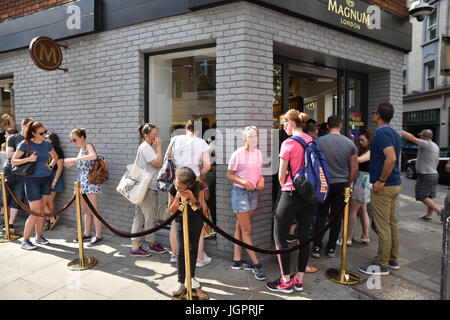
column 45, row 53
column 350, row 3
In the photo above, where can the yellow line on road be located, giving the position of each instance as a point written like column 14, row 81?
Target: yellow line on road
column 409, row 198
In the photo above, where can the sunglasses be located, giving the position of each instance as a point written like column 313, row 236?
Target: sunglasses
column 374, row 113
column 250, row 128
column 73, row 140
column 42, row 133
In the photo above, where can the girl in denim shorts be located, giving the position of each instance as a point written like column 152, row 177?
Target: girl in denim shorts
column 244, row 170
column 37, row 184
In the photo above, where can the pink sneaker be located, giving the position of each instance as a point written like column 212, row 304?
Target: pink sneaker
column 139, row 252
column 156, row 247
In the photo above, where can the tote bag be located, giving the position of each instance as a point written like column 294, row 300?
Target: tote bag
column 134, row 183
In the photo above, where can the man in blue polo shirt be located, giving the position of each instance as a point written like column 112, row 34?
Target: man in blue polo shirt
column 385, row 177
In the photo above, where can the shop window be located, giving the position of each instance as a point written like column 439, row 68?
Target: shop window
column 430, row 75
column 7, row 107
column 182, row 87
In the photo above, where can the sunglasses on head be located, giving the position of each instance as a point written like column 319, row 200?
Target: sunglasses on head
column 42, row 133
column 250, row 128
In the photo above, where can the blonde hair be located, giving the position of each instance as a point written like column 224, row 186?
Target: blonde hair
column 244, row 135
column 298, row 117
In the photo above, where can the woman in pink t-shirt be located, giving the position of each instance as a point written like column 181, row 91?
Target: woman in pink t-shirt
column 291, row 205
column 244, row 169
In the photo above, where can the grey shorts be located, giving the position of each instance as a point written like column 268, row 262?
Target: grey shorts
column 426, row 186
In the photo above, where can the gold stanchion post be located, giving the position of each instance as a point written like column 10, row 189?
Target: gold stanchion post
column 82, row 263
column 187, row 258
column 7, row 237
column 344, row 276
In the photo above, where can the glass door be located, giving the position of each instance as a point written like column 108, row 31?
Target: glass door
column 353, row 103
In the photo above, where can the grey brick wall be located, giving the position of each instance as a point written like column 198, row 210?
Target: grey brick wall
column 104, row 90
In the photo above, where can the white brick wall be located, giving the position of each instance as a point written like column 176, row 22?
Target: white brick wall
column 104, row 89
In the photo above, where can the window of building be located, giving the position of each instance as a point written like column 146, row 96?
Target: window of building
column 182, row 87
column 6, row 106
column 431, row 27
column 430, row 75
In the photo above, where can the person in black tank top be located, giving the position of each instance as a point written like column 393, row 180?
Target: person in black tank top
column 361, row 191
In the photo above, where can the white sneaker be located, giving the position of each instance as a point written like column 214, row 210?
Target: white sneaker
column 201, row 263
column 195, row 284
column 178, row 289
column 173, row 259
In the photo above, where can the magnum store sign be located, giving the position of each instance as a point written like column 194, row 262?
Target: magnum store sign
column 356, row 18
column 46, row 53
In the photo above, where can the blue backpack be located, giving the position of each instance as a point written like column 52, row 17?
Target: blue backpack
column 313, row 180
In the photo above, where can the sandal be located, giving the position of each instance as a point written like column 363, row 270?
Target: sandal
column 54, row 222
column 46, row 225
column 310, row 269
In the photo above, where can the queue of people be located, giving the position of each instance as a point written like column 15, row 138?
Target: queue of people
column 372, row 170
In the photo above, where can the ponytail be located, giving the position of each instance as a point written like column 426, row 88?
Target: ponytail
column 32, row 128
column 299, row 118
column 145, row 128
column 79, row 132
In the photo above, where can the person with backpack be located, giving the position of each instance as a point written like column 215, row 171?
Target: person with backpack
column 85, row 161
column 292, row 205
column 342, row 161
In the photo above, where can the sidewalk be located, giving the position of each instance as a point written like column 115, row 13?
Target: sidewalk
column 43, row 273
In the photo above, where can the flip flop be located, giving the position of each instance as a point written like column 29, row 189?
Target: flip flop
column 310, row 269
column 52, row 224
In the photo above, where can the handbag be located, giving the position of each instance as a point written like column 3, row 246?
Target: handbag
column 24, row 169
column 166, row 174
column 98, row 173
column 134, row 182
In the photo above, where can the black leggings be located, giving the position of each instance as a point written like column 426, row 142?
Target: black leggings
column 292, row 206
column 195, row 228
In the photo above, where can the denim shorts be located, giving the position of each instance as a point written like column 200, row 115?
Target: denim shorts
column 243, row 200
column 35, row 188
column 17, row 183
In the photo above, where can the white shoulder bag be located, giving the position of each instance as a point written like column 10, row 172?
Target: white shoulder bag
column 135, row 182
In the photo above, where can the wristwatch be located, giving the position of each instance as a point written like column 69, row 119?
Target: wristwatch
column 382, row 181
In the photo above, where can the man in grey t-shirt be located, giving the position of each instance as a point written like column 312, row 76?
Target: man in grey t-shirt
column 342, row 161
column 426, row 168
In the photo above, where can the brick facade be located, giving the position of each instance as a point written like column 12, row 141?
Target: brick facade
column 10, row 9
column 104, row 91
column 397, row 7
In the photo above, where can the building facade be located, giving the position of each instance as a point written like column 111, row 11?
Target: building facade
column 235, row 63
column 426, row 89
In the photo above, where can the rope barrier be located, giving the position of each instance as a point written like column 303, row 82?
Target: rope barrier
column 38, row 214
column 127, row 234
column 272, row 251
column 220, row 231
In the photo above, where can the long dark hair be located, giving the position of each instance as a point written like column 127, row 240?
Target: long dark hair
column 53, row 137
column 32, row 127
column 369, row 136
column 187, row 177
